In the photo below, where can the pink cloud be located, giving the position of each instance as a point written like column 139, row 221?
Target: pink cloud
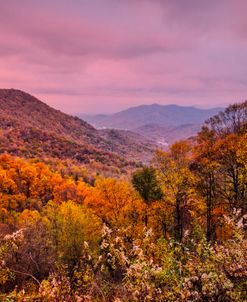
column 88, row 56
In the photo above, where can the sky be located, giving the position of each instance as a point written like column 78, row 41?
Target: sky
column 102, row 56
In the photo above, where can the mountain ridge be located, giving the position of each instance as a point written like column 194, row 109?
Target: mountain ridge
column 31, row 128
column 165, row 115
column 163, row 124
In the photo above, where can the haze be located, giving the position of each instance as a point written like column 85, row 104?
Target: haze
column 102, row 56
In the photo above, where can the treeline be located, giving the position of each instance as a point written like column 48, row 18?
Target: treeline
column 174, row 231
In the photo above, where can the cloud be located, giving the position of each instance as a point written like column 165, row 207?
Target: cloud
column 110, row 54
column 56, row 31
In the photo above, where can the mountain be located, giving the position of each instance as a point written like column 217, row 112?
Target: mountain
column 167, row 135
column 30, row 128
column 165, row 115
column 162, row 124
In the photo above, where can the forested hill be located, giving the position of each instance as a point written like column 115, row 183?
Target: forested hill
column 31, row 128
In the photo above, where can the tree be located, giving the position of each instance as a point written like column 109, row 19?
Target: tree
column 219, row 164
column 206, row 169
column 177, row 183
column 114, row 202
column 234, row 185
column 146, row 184
column 232, row 120
column 69, row 226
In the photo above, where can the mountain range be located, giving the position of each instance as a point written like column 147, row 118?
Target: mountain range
column 163, row 124
column 32, row 129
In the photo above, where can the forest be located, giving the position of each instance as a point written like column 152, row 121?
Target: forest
column 172, row 230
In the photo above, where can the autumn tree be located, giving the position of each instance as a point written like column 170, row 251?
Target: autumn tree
column 206, row 169
column 219, row 165
column 115, row 203
column 70, row 225
column 232, row 120
column 177, row 183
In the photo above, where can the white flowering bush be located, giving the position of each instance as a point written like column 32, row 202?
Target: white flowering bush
column 148, row 269
column 57, row 287
column 218, row 272
column 8, row 245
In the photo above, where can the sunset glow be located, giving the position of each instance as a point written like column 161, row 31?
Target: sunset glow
column 102, row 56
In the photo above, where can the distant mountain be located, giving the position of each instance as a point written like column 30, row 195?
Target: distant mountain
column 165, row 115
column 167, row 135
column 30, row 128
column 163, row 124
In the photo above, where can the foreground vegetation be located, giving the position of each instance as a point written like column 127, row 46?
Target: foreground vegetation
column 175, row 231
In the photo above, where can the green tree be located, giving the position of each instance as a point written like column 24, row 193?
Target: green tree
column 146, row 184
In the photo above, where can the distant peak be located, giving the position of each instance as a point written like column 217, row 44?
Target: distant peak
column 165, row 105
column 173, row 105
column 155, row 104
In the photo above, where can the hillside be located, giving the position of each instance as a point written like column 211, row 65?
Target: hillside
column 31, row 128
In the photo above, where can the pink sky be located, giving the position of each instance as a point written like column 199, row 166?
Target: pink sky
column 93, row 56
